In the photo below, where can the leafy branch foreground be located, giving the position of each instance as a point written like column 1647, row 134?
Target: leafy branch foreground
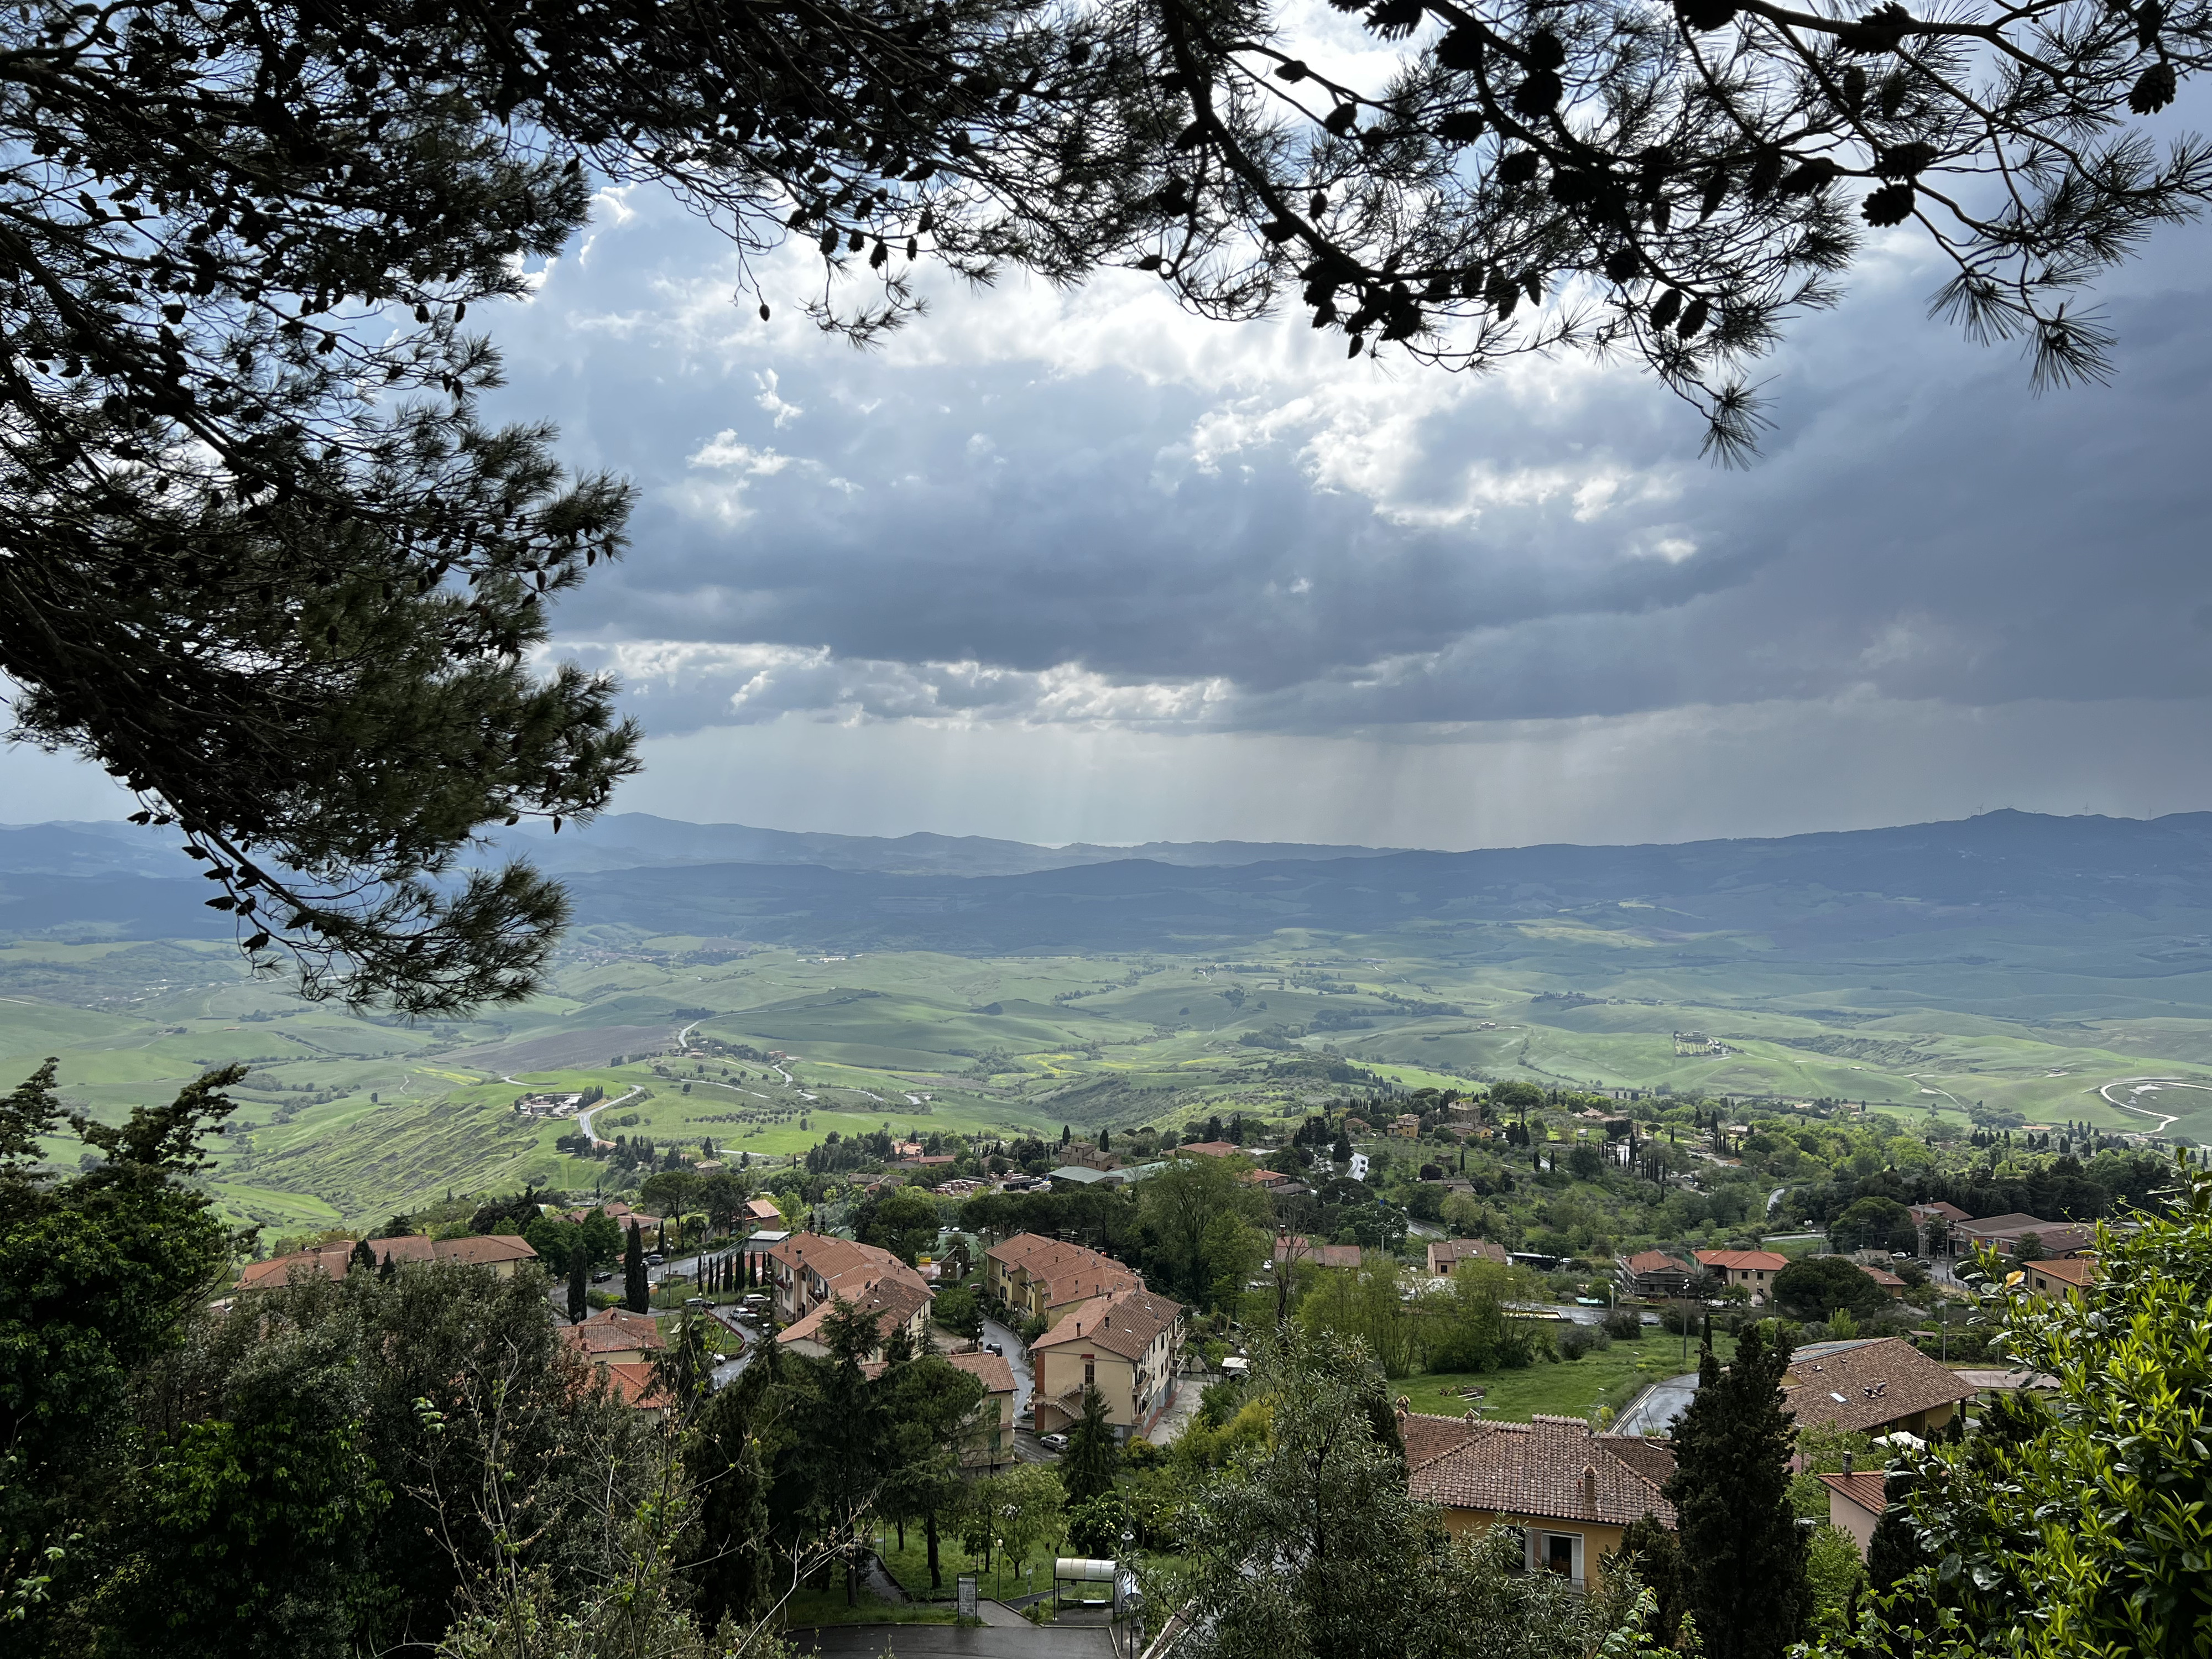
column 414, row 1463
column 262, row 561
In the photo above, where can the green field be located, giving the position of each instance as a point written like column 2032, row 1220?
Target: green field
column 1607, row 1379
column 347, row 1119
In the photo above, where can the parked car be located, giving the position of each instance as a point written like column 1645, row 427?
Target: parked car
column 1053, row 1442
column 603, row 1275
column 653, row 1258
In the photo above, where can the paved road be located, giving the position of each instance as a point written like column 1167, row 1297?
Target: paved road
column 583, row 1117
column 1016, row 1357
column 1658, row 1406
column 938, row 1641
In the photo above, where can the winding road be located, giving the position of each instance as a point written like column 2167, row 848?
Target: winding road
column 583, row 1117
column 2144, row 1086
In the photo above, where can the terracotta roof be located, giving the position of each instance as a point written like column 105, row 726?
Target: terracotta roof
column 1864, row 1487
column 1428, row 1436
column 2058, row 1238
column 1554, row 1467
column 848, row 1269
column 278, row 1269
column 1658, row 1261
column 1948, row 1211
column 2079, row 1271
column 1652, row 1459
column 1444, row 1255
column 613, row 1330
column 631, row 1381
column 760, row 1209
column 1070, row 1272
column 1882, row 1276
column 1857, row 1385
column 1213, row 1148
column 333, row 1260
column 1300, row 1249
column 991, row 1369
column 893, row 1301
column 1016, row 1250
column 482, row 1252
column 1744, row 1261
column 1124, row 1323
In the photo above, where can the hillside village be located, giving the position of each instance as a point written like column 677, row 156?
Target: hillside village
column 1103, row 1299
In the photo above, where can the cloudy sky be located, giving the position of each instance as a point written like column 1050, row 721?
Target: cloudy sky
column 1075, row 566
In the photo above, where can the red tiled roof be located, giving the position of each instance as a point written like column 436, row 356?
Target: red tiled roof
column 333, row 1260
column 1451, row 1251
column 1658, row 1261
column 1124, row 1323
column 1864, row 1487
column 1428, row 1436
column 1298, row 1248
column 631, row 1381
column 1882, row 1276
column 991, row 1369
column 1946, row 1212
column 1213, row 1148
column 2078, row 1271
column 1868, row 1384
column 1015, row 1251
column 613, row 1330
column 482, row 1252
column 893, row 1301
column 1554, row 1467
column 1744, row 1261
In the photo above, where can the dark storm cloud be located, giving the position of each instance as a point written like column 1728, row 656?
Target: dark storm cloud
column 1235, row 534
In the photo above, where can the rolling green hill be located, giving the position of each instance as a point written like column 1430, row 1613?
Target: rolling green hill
column 343, row 1118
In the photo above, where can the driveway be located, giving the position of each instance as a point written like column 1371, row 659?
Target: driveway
column 1655, row 1410
column 1017, row 1357
column 936, row 1641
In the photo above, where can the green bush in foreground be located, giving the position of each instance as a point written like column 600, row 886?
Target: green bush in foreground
column 2082, row 1527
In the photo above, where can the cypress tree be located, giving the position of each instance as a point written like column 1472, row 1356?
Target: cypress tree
column 1743, row 1554
column 362, row 1256
column 637, row 1292
column 578, row 1258
column 1094, row 1458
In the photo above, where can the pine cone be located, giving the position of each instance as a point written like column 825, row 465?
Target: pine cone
column 2154, row 91
column 1693, row 319
column 1668, row 308
column 1462, row 126
column 1539, row 94
column 1890, row 205
column 1705, row 13
column 1462, row 49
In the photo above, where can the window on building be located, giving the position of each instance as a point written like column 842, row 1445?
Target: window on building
column 1089, row 1372
column 1559, row 1554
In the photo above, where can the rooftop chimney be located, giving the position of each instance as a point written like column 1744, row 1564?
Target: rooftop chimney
column 1590, row 1487
column 1847, row 1463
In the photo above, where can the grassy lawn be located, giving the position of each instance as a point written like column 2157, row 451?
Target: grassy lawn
column 1570, row 1388
column 910, row 1566
column 810, row 1607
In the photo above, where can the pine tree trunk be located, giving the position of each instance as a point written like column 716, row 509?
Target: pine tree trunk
column 929, row 1537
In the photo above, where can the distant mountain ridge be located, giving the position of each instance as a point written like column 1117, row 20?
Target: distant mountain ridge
column 627, row 841
column 2002, row 875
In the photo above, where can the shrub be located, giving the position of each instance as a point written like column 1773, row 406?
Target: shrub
column 1578, row 1340
column 1623, row 1324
